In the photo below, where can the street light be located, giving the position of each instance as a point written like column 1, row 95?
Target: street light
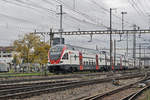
column 123, row 19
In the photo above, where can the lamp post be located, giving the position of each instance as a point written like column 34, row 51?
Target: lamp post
column 123, row 19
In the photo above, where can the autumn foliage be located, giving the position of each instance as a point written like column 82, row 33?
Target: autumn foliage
column 30, row 49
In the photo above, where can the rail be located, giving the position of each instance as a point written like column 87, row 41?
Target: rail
column 108, row 93
column 28, row 91
column 136, row 95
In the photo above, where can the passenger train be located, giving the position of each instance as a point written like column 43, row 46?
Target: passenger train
column 68, row 58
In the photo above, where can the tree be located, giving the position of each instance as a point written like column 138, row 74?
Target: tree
column 31, row 49
column 15, row 61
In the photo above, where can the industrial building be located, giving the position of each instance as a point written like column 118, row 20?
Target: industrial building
column 6, row 54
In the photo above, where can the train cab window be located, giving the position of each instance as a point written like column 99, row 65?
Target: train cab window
column 65, row 57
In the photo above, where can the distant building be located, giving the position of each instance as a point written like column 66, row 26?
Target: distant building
column 6, row 54
column 57, row 41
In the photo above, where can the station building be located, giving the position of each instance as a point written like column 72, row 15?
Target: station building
column 56, row 41
column 6, row 54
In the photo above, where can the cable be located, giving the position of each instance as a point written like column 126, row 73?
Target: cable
column 106, row 10
column 83, row 14
column 35, row 5
column 32, row 5
column 137, row 7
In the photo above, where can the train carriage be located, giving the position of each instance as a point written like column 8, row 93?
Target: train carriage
column 68, row 58
column 117, row 65
column 131, row 64
column 73, row 58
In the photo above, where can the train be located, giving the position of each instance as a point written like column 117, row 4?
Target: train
column 69, row 58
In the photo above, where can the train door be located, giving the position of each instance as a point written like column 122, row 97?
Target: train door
column 97, row 67
column 70, row 57
column 106, row 60
column 121, row 63
column 112, row 67
column 80, row 61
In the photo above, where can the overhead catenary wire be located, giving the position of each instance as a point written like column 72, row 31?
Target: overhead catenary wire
column 107, row 10
column 135, row 6
column 87, row 20
column 20, row 19
column 46, row 10
column 79, row 12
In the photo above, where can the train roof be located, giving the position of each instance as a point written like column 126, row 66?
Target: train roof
column 78, row 48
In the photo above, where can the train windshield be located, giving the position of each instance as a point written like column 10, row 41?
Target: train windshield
column 55, row 52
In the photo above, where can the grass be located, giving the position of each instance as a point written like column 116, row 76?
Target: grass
column 145, row 95
column 84, row 72
column 23, row 74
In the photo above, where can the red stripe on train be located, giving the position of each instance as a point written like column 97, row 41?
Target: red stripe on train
column 121, row 63
column 112, row 64
column 97, row 67
column 80, row 60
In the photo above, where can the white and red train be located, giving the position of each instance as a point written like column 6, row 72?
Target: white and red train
column 68, row 58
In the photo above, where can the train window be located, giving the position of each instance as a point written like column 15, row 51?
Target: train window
column 86, row 62
column 75, row 57
column 65, row 56
column 4, row 55
column 9, row 55
column 92, row 63
column 100, row 59
column 89, row 63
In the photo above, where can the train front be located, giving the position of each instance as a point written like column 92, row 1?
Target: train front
column 55, row 54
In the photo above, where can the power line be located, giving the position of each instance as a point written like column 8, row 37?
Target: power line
column 20, row 5
column 83, row 14
column 106, row 10
column 39, row 7
column 136, row 7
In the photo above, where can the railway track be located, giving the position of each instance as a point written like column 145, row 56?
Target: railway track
column 136, row 94
column 38, row 79
column 116, row 94
column 31, row 79
column 28, row 90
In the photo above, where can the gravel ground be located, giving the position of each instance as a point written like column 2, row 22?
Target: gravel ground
column 82, row 76
column 63, row 79
column 120, row 95
column 76, row 93
column 145, row 95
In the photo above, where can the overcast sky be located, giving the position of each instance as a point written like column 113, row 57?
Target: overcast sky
column 18, row 17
